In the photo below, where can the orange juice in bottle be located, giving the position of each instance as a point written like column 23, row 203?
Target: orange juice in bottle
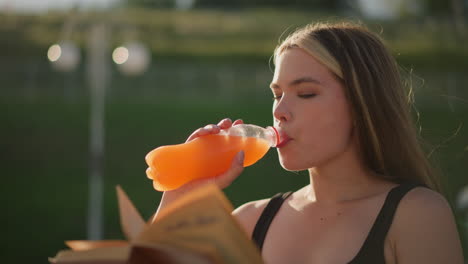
column 207, row 156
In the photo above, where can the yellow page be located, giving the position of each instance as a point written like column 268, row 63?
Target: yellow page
column 93, row 255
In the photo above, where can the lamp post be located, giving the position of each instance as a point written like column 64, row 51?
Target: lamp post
column 65, row 57
column 132, row 59
column 98, row 77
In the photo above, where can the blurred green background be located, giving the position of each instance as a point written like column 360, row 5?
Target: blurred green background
column 208, row 61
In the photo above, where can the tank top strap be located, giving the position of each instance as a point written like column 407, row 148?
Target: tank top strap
column 264, row 222
column 372, row 251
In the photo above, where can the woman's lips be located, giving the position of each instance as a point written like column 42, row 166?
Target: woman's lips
column 283, row 143
column 284, row 139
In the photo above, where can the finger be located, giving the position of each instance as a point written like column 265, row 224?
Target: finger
column 194, row 135
column 238, row 122
column 208, row 129
column 237, row 166
column 225, row 123
column 211, row 129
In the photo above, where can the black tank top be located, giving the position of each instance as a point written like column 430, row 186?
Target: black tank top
column 372, row 251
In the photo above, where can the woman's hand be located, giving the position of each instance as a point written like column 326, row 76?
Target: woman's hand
column 225, row 179
column 222, row 181
column 214, row 129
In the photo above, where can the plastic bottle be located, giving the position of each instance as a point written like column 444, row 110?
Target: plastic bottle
column 207, row 156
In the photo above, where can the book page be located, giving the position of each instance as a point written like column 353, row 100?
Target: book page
column 165, row 254
column 109, row 255
column 131, row 221
column 90, row 244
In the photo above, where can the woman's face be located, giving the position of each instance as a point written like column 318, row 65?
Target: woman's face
column 310, row 108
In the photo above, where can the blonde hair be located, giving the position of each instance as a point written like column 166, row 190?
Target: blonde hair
column 380, row 104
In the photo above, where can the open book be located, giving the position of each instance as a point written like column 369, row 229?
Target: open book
column 197, row 228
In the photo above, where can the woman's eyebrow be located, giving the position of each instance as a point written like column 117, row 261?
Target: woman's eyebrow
column 304, row 80
column 296, row 82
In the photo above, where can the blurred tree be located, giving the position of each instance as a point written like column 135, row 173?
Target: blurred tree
column 320, row 4
column 458, row 8
column 455, row 9
column 438, row 7
column 151, row 3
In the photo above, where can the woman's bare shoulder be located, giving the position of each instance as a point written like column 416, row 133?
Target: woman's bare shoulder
column 424, row 227
column 421, row 203
column 423, row 194
column 248, row 213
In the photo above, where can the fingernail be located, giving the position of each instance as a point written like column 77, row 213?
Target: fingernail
column 240, row 157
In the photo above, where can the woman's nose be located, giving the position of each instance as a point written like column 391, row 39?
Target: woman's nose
column 281, row 113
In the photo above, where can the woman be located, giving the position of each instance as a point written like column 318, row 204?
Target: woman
column 343, row 115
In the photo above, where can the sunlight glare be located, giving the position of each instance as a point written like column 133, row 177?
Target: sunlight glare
column 120, row 55
column 54, row 52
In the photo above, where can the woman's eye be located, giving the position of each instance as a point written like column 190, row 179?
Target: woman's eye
column 277, row 97
column 307, row 95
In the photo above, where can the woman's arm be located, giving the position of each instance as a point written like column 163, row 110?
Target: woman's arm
column 424, row 230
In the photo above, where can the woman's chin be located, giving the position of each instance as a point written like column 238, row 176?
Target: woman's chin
column 292, row 166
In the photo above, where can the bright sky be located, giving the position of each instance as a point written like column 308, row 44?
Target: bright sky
column 44, row 5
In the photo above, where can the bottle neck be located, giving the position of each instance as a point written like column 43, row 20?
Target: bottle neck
column 270, row 134
column 274, row 137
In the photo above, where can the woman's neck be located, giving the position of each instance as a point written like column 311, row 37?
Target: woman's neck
column 344, row 178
